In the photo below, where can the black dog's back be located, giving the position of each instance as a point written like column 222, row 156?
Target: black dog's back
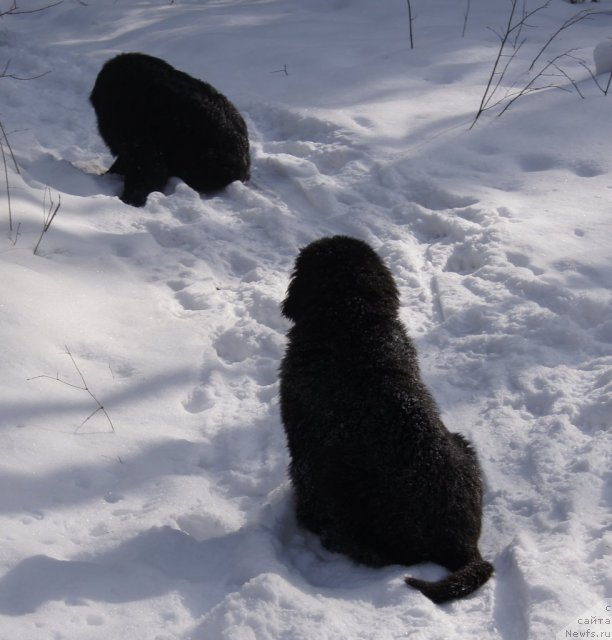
column 161, row 122
column 376, row 473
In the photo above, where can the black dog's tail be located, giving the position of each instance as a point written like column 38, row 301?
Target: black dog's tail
column 458, row 584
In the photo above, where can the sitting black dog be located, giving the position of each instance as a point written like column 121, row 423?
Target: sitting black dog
column 376, row 473
column 161, row 122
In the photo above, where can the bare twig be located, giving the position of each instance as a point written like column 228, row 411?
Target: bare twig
column 85, row 387
column 510, row 97
column 525, row 16
column 568, row 77
column 603, row 89
column 520, row 25
column 16, row 234
column 501, row 75
column 585, row 13
column 14, row 10
column 466, row 15
column 511, row 35
column 608, row 84
column 486, row 97
column 10, row 10
column 283, row 70
column 14, row 76
column 410, row 20
column 48, row 215
column 530, row 86
column 5, row 74
column 8, row 186
column 5, row 141
column 529, row 14
column 5, row 146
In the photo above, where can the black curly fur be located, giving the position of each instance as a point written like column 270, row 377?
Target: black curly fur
column 161, row 122
column 376, row 473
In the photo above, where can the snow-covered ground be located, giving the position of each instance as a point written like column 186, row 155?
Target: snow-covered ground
column 172, row 517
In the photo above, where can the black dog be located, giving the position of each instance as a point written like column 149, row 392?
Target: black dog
column 161, row 122
column 376, row 473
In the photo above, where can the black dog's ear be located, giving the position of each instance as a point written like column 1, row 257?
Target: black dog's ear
column 341, row 278
column 306, row 279
column 289, row 307
column 301, row 298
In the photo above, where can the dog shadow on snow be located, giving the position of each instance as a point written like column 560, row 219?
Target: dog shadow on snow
column 149, row 565
column 162, row 560
column 196, row 557
column 64, row 177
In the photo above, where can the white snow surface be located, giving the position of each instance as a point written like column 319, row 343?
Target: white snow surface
column 172, row 518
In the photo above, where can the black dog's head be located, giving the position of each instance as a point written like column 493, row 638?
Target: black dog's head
column 341, row 279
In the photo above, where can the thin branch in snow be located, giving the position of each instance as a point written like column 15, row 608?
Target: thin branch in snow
column 530, row 86
column 4, row 139
column 48, row 215
column 410, row 21
column 488, row 94
column 5, row 146
column 466, row 15
column 603, row 89
column 521, row 24
column 283, row 70
column 570, row 22
column 568, row 77
column 8, row 186
column 17, row 234
column 5, row 73
column 14, row 10
column 511, row 34
column 84, row 387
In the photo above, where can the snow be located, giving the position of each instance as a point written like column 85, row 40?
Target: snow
column 172, row 518
column 602, row 56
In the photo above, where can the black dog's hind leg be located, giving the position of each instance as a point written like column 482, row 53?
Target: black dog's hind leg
column 145, row 171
